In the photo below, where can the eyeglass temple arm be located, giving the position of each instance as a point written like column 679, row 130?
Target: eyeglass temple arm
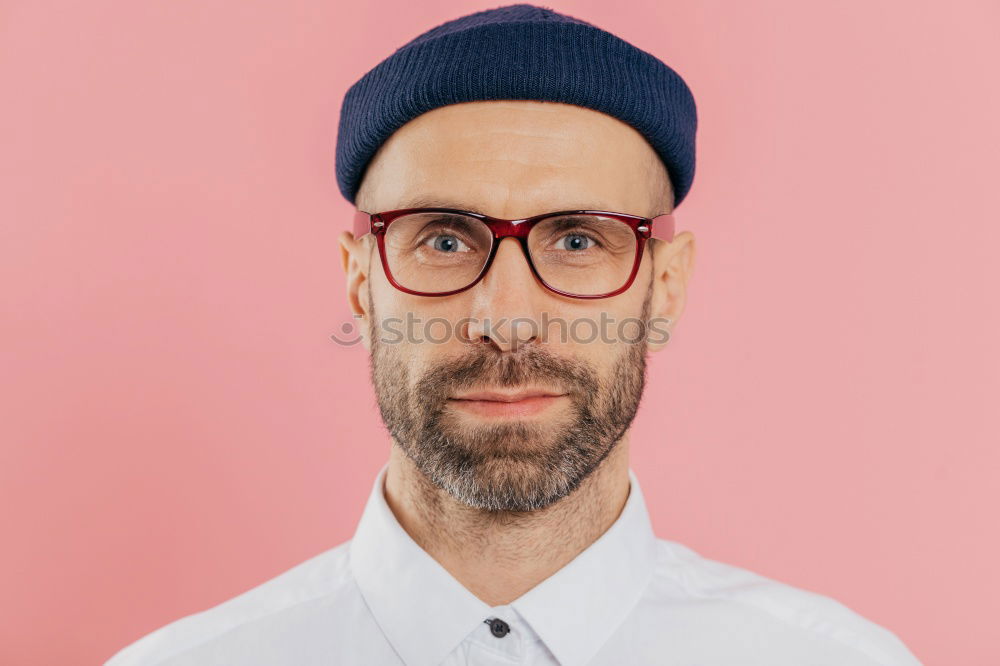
column 362, row 223
column 661, row 227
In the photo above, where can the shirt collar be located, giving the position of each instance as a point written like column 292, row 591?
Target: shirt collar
column 425, row 613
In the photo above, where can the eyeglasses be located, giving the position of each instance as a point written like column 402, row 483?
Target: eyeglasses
column 578, row 253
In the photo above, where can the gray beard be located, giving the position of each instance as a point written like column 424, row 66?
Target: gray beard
column 513, row 466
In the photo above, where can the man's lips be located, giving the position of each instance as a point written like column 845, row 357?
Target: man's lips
column 507, row 396
column 523, row 402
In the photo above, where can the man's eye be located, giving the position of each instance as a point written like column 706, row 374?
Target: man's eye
column 447, row 243
column 574, row 242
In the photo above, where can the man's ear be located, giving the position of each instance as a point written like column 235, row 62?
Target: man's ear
column 673, row 263
column 354, row 258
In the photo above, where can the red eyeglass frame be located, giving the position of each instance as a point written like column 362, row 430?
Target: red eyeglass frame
column 660, row 227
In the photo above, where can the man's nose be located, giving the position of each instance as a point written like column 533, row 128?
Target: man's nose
column 505, row 302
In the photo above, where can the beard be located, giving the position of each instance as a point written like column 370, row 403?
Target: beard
column 512, row 466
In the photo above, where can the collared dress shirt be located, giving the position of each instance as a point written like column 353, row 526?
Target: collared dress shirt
column 629, row 599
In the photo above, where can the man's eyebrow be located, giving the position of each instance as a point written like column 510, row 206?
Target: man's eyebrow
column 436, row 202
column 443, row 202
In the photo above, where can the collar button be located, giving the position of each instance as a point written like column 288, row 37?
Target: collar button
column 498, row 627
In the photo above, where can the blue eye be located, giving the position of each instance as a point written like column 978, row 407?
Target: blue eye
column 447, row 243
column 574, row 242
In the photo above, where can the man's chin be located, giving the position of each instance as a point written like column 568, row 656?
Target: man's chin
column 512, row 467
column 506, row 483
column 505, row 441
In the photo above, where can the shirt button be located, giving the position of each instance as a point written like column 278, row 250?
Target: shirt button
column 498, row 627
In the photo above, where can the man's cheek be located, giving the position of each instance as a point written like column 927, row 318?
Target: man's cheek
column 391, row 331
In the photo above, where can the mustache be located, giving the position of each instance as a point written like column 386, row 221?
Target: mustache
column 482, row 367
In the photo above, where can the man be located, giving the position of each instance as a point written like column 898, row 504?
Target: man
column 511, row 169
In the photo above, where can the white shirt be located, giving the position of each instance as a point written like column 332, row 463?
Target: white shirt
column 629, row 599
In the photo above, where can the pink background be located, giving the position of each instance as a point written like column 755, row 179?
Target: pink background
column 177, row 426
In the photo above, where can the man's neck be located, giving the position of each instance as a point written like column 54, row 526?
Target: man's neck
column 499, row 557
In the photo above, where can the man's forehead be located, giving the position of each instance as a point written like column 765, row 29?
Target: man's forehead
column 516, row 158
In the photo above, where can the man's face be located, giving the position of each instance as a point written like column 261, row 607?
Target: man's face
column 502, row 414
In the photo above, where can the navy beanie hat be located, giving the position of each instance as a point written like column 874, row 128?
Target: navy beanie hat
column 519, row 52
